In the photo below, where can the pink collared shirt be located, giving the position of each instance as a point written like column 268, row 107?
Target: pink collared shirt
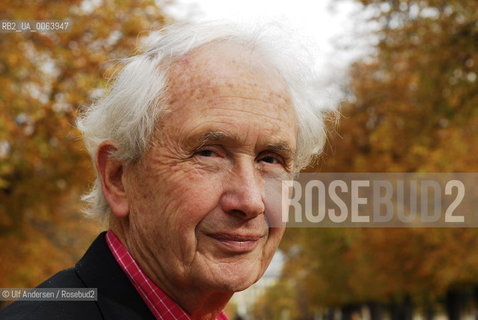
column 160, row 305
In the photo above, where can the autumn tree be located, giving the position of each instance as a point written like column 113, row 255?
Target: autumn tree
column 411, row 107
column 45, row 79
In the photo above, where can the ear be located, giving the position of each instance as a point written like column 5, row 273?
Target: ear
column 111, row 175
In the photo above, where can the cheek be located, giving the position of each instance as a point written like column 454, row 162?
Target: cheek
column 275, row 236
column 270, row 247
column 178, row 199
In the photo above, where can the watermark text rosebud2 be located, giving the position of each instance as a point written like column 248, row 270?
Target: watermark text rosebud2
column 49, row 294
column 430, row 200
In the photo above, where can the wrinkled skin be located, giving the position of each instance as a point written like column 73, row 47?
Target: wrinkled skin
column 192, row 211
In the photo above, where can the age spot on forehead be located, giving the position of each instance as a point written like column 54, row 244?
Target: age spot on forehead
column 185, row 59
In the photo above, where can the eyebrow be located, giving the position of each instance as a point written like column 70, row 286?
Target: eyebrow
column 281, row 147
column 214, row 136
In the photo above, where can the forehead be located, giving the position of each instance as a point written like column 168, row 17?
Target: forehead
column 223, row 62
column 226, row 83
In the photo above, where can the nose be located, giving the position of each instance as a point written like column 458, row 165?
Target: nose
column 243, row 194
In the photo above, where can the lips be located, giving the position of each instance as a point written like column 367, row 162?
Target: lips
column 237, row 243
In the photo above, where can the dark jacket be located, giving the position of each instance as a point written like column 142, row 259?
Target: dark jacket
column 117, row 298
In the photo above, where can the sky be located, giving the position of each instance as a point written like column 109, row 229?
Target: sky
column 317, row 22
column 328, row 28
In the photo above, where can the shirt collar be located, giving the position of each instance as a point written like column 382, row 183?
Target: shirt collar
column 160, row 305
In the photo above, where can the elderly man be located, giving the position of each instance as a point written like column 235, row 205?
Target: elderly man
column 183, row 144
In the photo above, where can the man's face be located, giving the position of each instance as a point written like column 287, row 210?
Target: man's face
column 197, row 203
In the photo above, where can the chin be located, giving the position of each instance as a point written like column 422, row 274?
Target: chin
column 234, row 285
column 235, row 278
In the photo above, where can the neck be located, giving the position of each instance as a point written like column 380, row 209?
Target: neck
column 203, row 306
column 199, row 304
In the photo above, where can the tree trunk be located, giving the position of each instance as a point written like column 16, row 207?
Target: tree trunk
column 376, row 310
column 429, row 312
column 349, row 310
column 454, row 304
column 402, row 310
column 329, row 315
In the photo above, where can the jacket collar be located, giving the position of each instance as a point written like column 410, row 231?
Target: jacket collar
column 117, row 298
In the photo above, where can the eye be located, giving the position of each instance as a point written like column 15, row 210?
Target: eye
column 205, row 153
column 270, row 159
column 209, row 152
column 273, row 159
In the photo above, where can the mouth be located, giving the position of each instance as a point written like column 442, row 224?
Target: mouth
column 236, row 243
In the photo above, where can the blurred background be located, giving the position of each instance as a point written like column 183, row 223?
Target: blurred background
column 403, row 74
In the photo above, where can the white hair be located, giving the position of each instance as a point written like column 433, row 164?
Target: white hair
column 128, row 114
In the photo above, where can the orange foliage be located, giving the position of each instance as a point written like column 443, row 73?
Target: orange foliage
column 412, row 108
column 44, row 79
